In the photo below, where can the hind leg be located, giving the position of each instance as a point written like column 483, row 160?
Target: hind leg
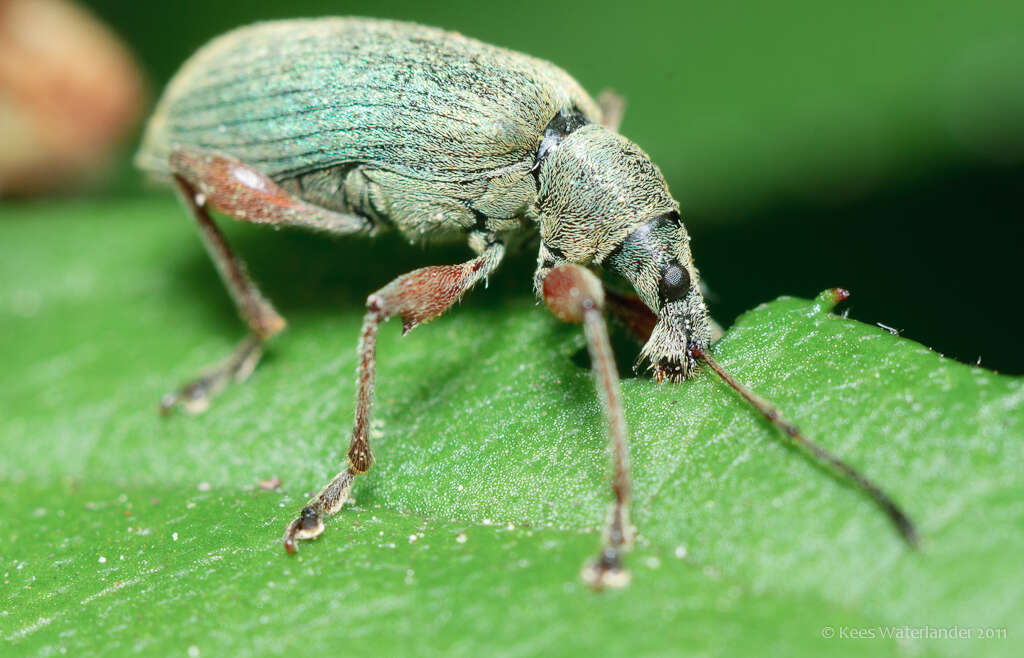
column 225, row 184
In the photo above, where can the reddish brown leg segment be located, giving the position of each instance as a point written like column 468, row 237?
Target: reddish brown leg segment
column 630, row 310
column 257, row 312
column 416, row 297
column 230, row 186
column 638, row 319
column 574, row 294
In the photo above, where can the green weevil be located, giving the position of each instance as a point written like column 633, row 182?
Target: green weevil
column 355, row 126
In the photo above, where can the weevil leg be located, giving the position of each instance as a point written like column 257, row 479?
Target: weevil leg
column 416, row 297
column 625, row 307
column 631, row 312
column 234, row 188
column 206, row 180
column 613, row 107
column 717, row 330
column 638, row 319
column 257, row 312
column 574, row 294
column 195, row 396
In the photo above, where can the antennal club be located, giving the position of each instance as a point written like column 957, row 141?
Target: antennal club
column 769, row 411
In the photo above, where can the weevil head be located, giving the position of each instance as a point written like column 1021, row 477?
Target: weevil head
column 603, row 202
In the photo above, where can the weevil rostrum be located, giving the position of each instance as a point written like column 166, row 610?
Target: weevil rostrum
column 352, row 126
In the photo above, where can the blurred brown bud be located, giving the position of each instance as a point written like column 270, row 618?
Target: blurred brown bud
column 69, row 90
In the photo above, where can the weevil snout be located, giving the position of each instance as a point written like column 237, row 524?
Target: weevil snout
column 681, row 325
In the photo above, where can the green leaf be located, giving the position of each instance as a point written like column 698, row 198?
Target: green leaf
column 123, row 531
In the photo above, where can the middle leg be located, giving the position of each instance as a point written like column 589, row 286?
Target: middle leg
column 638, row 319
column 416, row 297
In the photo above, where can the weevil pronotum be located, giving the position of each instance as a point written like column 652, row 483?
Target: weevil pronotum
column 354, row 126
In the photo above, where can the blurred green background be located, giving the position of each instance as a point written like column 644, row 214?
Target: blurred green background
column 873, row 145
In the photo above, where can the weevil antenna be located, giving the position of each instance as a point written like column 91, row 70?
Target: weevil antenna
column 771, row 412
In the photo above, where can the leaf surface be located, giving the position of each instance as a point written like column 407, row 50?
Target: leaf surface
column 123, row 531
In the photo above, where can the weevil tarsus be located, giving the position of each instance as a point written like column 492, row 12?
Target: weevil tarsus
column 416, row 297
column 195, row 396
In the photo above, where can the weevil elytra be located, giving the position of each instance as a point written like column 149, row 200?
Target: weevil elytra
column 354, row 126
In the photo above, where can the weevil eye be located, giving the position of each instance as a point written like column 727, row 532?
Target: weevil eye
column 675, row 282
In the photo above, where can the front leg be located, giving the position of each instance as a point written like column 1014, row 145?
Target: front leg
column 574, row 294
column 638, row 319
column 416, row 297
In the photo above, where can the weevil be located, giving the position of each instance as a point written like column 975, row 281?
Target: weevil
column 353, row 126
